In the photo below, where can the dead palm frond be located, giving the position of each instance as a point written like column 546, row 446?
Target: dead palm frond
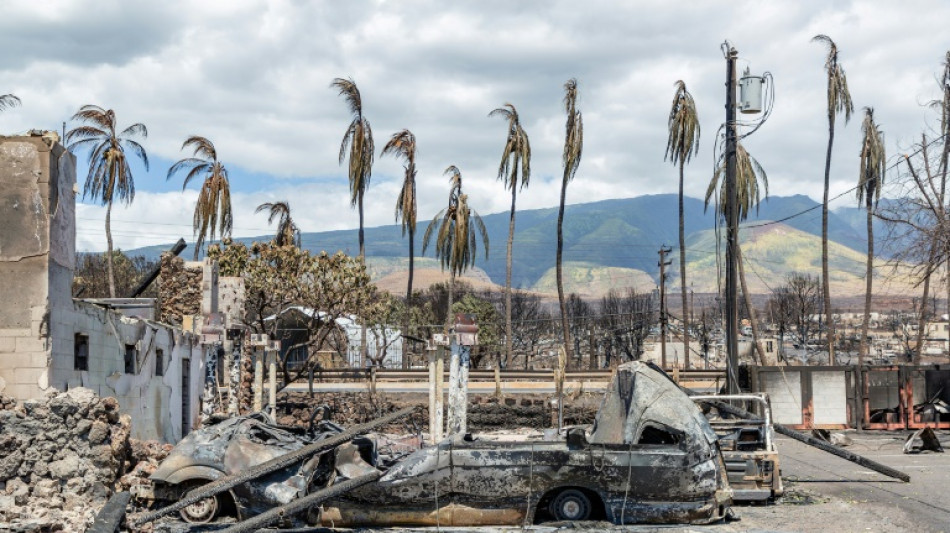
column 287, row 231
column 213, row 210
column 456, row 229
column 839, row 98
column 403, row 145
column 9, row 100
column 683, row 124
column 748, row 190
column 873, row 161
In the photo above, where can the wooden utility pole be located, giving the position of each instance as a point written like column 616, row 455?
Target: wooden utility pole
column 732, row 223
column 663, row 264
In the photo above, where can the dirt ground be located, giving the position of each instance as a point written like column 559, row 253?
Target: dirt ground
column 823, row 494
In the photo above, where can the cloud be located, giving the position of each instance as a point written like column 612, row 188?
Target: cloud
column 254, row 77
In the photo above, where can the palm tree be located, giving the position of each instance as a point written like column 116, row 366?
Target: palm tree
column 839, row 101
column 8, row 100
column 870, row 182
column 110, row 176
column 213, row 210
column 681, row 146
column 573, row 148
column 403, row 144
column 287, row 232
column 359, row 139
column 515, row 159
column 456, row 228
column 748, row 194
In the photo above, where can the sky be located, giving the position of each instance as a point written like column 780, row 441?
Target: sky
column 254, row 77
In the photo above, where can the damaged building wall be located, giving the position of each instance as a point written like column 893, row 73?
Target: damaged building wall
column 37, row 254
column 48, row 341
column 144, row 364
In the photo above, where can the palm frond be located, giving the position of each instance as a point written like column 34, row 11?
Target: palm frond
column 683, row 126
column 9, row 100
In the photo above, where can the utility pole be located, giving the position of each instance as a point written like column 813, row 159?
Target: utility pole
column 732, row 232
column 663, row 264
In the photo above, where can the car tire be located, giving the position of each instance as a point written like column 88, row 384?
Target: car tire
column 201, row 512
column 570, row 505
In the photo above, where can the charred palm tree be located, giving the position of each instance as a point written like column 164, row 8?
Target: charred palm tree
column 403, row 145
column 571, row 158
column 748, row 195
column 358, row 140
column 839, row 101
column 287, row 231
column 515, row 162
column 456, row 229
column 213, row 210
column 870, row 182
column 681, row 146
column 110, row 176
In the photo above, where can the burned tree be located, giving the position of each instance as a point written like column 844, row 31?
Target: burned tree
column 627, row 316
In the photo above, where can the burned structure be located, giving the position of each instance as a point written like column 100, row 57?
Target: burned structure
column 51, row 341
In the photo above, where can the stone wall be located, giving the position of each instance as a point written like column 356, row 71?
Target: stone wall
column 179, row 289
column 485, row 413
column 60, row 459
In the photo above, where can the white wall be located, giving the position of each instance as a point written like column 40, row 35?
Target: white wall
column 154, row 402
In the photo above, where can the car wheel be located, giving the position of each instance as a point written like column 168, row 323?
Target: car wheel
column 200, row 512
column 570, row 504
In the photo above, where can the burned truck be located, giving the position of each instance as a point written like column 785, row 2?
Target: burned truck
column 650, row 457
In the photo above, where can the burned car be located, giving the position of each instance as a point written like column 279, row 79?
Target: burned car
column 229, row 446
column 748, row 447
column 650, row 457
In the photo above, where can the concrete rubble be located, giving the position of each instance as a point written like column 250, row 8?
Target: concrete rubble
column 62, row 457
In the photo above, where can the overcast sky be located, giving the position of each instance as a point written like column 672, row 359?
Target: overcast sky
column 253, row 76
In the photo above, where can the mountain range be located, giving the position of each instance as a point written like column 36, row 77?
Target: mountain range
column 615, row 243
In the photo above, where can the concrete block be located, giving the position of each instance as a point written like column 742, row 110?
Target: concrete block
column 7, row 344
column 16, row 360
column 37, row 312
column 15, row 332
column 30, row 344
column 28, row 376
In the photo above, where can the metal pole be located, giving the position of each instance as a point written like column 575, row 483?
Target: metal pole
column 732, row 232
column 663, row 264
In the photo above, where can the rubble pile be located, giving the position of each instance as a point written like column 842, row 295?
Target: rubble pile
column 484, row 412
column 144, row 457
column 179, row 290
column 60, row 458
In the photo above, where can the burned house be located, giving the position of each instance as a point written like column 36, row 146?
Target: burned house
column 50, row 341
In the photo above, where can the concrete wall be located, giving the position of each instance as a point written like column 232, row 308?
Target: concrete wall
column 39, row 319
column 785, row 394
column 154, row 402
column 829, row 397
column 37, row 254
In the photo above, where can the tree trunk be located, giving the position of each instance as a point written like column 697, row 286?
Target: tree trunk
column 110, row 259
column 448, row 312
column 511, row 237
column 559, row 270
column 922, row 319
column 405, row 331
column 685, row 319
column 826, row 289
column 869, row 275
column 363, row 352
column 756, row 347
